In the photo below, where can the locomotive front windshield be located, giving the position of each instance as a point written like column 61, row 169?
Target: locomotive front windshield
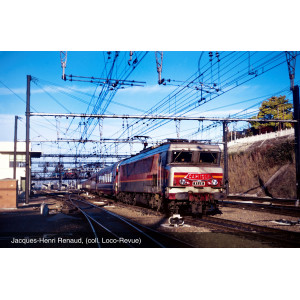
column 182, row 156
column 196, row 157
column 209, row 157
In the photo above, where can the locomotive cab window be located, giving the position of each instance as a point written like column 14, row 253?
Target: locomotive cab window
column 209, row 157
column 181, row 156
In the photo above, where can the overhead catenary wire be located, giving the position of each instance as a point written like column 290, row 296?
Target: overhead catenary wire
column 154, row 117
column 134, row 122
column 187, row 106
column 77, row 98
column 161, row 102
column 175, row 93
column 262, row 71
column 251, row 113
column 20, row 98
column 102, row 98
column 188, row 101
column 151, row 122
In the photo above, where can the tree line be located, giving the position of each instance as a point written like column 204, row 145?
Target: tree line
column 274, row 108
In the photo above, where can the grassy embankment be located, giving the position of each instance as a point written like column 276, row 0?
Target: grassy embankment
column 266, row 169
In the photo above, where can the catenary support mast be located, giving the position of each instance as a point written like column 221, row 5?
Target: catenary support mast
column 226, row 179
column 297, row 138
column 291, row 62
column 15, row 147
column 27, row 171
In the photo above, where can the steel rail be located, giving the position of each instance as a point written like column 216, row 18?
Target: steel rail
column 88, row 219
column 287, row 210
column 153, row 230
column 125, row 221
column 279, row 235
column 94, row 220
column 86, row 216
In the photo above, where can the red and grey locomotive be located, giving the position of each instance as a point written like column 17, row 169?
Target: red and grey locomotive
column 175, row 176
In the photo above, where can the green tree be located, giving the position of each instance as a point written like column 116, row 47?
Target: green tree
column 274, row 108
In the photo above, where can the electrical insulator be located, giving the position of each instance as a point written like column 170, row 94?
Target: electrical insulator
column 63, row 61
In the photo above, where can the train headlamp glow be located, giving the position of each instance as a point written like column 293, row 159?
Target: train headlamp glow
column 214, row 182
column 182, row 181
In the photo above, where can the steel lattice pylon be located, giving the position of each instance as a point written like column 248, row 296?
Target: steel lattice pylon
column 291, row 61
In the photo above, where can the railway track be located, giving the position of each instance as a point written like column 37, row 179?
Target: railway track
column 281, row 238
column 287, row 210
column 275, row 237
column 112, row 230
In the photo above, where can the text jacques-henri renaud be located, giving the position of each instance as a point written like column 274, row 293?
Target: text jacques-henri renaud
column 60, row 240
column 44, row 240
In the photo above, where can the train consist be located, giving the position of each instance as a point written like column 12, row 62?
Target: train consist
column 176, row 176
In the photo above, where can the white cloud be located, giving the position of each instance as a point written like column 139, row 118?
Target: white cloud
column 49, row 89
column 150, row 89
column 18, row 91
column 7, row 123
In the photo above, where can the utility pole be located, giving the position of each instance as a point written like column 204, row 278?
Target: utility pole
column 15, row 148
column 60, row 175
column 77, row 175
column 297, row 138
column 291, row 61
column 27, row 171
column 226, row 181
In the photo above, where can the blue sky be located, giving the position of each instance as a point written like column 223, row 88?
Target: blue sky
column 177, row 65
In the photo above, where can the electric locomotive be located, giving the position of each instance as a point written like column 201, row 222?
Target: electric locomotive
column 176, row 176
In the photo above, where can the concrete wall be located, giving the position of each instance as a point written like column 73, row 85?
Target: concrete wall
column 7, row 172
column 261, row 137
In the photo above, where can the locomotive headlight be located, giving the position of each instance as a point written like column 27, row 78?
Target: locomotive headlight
column 214, row 182
column 182, row 181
